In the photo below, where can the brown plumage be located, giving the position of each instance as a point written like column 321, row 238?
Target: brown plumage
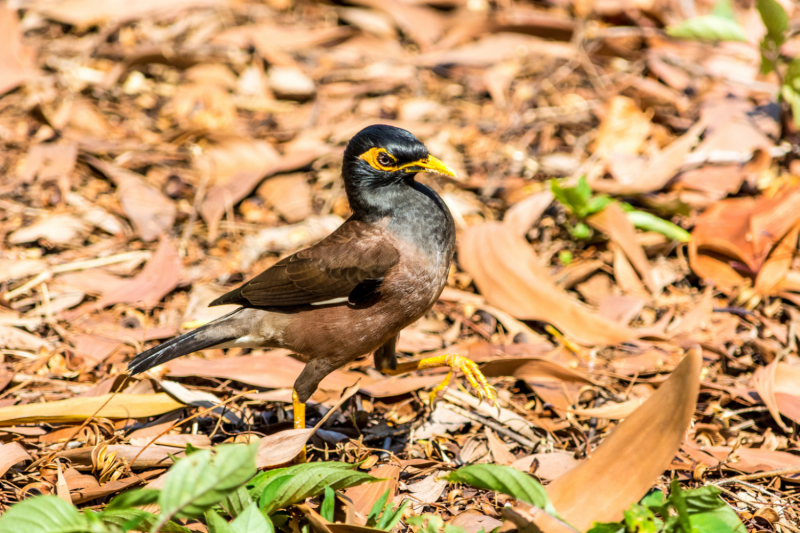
column 352, row 293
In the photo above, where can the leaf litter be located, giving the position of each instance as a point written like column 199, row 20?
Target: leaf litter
column 158, row 154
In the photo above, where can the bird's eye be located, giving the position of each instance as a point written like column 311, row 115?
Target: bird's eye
column 385, row 159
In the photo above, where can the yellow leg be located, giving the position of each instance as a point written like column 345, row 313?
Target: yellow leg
column 299, row 422
column 455, row 362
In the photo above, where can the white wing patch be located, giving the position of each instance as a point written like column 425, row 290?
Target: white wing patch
column 331, row 301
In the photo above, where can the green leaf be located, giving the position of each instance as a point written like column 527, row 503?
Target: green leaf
column 296, row 486
column 573, row 198
column 723, row 9
column 128, row 519
column 236, row 502
column 326, row 509
column 650, row 222
column 723, row 520
column 134, row 498
column 790, row 90
column 252, row 521
column 44, row 514
column 639, row 518
column 708, row 28
column 259, row 482
column 597, row 204
column 565, row 257
column 201, row 480
column 581, row 231
column 377, row 509
column 607, row 527
column 775, row 19
column 506, row 480
column 389, row 520
column 217, row 524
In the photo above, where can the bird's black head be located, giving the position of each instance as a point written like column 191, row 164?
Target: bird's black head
column 380, row 158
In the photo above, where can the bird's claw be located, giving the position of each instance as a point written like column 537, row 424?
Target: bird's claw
column 473, row 374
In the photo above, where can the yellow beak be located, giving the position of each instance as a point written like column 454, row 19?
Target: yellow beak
column 429, row 164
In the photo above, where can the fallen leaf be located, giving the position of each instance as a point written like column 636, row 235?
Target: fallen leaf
column 115, row 406
column 613, row 221
column 11, row 454
column 550, row 465
column 15, row 339
column 623, row 130
column 267, row 370
column 56, row 229
column 289, row 195
column 509, row 275
column 158, row 278
column 85, row 13
column 610, row 410
column 523, row 215
column 473, row 521
column 16, row 60
column 778, row 385
column 500, row 452
column 601, row 488
column 365, row 496
column 151, row 213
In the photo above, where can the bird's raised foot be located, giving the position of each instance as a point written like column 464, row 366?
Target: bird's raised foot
column 470, row 370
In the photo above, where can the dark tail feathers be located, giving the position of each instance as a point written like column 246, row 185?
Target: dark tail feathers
column 199, row 339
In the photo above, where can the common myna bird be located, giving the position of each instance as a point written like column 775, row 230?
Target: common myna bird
column 352, row 293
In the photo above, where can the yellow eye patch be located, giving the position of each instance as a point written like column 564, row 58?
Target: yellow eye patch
column 378, row 159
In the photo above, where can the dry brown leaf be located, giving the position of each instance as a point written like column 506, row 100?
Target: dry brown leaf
column 115, row 406
column 550, row 465
column 16, row 60
column 267, row 370
column 652, row 174
column 365, row 496
column 473, row 521
column 523, row 215
column 500, row 452
column 15, row 339
column 11, row 454
column 623, row 130
column 289, row 195
column 735, row 238
column 495, row 48
column 157, row 279
column 510, row 277
column 610, row 410
column 281, row 447
column 151, row 213
column 622, row 469
column 525, row 518
column 56, row 229
column 778, row 385
column 85, row 13
column 613, row 221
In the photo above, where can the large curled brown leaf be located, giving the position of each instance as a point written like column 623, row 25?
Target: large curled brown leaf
column 622, row 469
column 736, row 239
column 509, row 275
column 778, row 385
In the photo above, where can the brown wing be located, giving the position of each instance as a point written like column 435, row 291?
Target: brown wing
column 354, row 256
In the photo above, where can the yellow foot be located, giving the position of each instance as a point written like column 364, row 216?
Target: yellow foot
column 455, row 362
column 299, row 422
column 473, row 374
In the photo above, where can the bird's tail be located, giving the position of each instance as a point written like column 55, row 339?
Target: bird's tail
column 208, row 336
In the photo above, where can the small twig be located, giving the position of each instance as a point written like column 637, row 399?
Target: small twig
column 492, row 424
column 761, row 475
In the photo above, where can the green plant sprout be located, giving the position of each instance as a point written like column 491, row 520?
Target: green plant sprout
column 582, row 204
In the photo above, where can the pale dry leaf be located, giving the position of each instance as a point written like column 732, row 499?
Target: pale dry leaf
column 623, row 130
column 115, row 406
column 16, row 60
column 365, row 496
column 613, row 221
column 623, row 468
column 473, row 521
column 509, row 276
column 55, row 229
column 10, row 454
column 151, row 213
column 85, row 13
column 158, row 278
column 289, row 195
